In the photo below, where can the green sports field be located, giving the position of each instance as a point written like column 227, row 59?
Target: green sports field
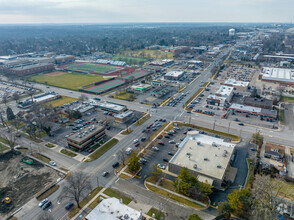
column 95, row 68
column 67, row 80
column 131, row 60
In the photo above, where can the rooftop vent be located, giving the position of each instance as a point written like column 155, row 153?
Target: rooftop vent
column 206, row 159
column 189, row 154
column 198, row 143
column 219, row 166
column 213, row 144
column 195, row 166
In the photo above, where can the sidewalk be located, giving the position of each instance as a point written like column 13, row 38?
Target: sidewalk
column 177, row 194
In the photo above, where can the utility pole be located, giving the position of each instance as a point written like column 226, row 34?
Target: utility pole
column 214, row 124
column 229, row 127
column 97, row 178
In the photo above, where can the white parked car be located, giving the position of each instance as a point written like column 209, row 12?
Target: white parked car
column 43, row 202
column 161, row 166
column 52, row 163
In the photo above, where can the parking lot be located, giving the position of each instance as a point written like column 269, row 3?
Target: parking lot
column 8, row 89
column 94, row 115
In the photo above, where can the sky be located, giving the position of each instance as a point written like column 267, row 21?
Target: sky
column 117, row 11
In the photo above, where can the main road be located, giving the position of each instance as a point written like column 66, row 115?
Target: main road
column 95, row 168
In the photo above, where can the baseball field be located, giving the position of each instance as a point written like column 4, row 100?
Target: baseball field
column 71, row 81
column 92, row 68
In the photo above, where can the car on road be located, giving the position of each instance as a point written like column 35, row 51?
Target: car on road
column 241, row 124
column 52, row 163
column 115, row 165
column 104, row 174
column 46, row 205
column 43, row 202
column 161, row 166
column 143, row 131
column 155, row 148
column 69, row 205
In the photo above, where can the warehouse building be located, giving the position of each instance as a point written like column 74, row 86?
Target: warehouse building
column 174, row 75
column 238, row 85
column 64, row 59
column 221, row 97
column 46, row 97
column 206, row 157
column 279, row 75
column 86, row 138
column 28, row 69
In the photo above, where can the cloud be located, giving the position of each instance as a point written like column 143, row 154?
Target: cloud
column 75, row 11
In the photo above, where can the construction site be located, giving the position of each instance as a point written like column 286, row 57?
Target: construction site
column 22, row 178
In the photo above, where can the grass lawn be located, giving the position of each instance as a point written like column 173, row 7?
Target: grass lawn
column 96, row 68
column 287, row 99
column 3, row 148
column 67, row 80
column 142, row 120
column 175, row 197
column 68, row 153
column 156, row 212
column 4, row 141
column 127, row 131
column 101, row 150
column 113, row 193
column 49, row 145
column 48, row 192
column 287, row 188
column 84, row 201
column 61, row 101
column 41, row 157
column 156, row 54
column 125, row 96
column 250, row 177
column 130, row 60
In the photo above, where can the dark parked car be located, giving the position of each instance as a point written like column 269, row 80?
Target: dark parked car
column 46, row 205
column 241, row 124
column 115, row 165
column 171, row 153
column 165, row 159
column 69, row 206
column 166, row 136
column 104, row 174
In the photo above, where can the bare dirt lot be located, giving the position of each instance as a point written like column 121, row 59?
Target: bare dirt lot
column 20, row 181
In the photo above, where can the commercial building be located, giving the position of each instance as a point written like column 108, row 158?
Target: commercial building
column 124, row 116
column 232, row 32
column 279, row 75
column 238, row 85
column 163, row 62
column 109, row 106
column 222, row 96
column 86, row 138
column 253, row 110
column 258, row 102
column 113, row 209
column 161, row 91
column 174, row 75
column 195, row 62
column 46, row 97
column 140, row 88
column 206, row 157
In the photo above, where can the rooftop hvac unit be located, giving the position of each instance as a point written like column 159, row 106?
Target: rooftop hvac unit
column 206, row 159
column 219, row 166
column 195, row 166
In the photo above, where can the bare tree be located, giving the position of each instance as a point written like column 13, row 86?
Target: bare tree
column 77, row 186
column 15, row 97
column 121, row 156
column 5, row 98
column 266, row 198
column 10, row 139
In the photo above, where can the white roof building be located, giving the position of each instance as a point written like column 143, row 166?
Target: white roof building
column 113, row 209
column 225, row 91
column 235, row 83
column 285, row 76
column 205, row 156
column 174, row 74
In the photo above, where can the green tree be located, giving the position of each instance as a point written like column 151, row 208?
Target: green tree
column 194, row 217
column 10, row 114
column 257, row 138
column 76, row 114
column 224, row 209
column 134, row 164
column 156, row 174
column 240, row 202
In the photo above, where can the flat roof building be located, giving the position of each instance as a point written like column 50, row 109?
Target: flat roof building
column 222, row 96
column 46, row 97
column 253, row 110
column 140, row 88
column 109, row 106
column 113, row 209
column 174, row 75
column 258, row 102
column 238, row 85
column 86, row 138
column 279, row 75
column 124, row 116
column 161, row 91
column 206, row 157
